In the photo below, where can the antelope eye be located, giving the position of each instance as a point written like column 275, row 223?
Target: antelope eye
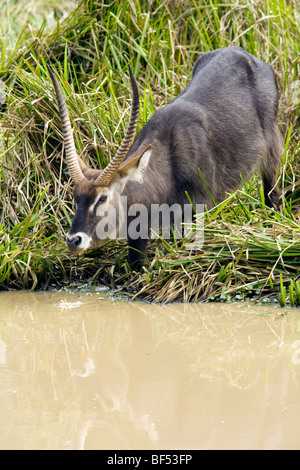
column 103, row 198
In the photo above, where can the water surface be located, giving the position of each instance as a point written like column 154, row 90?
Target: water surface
column 83, row 371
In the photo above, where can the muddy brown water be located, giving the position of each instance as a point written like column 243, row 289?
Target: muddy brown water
column 84, row 371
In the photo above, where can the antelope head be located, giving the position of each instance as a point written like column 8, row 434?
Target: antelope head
column 96, row 191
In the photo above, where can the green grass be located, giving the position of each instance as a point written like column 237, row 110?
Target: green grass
column 249, row 251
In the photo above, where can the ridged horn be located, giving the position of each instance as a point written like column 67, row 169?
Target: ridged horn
column 105, row 177
column 75, row 164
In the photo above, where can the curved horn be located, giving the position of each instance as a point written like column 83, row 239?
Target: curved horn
column 75, row 165
column 105, row 177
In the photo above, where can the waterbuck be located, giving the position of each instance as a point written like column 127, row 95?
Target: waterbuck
column 223, row 123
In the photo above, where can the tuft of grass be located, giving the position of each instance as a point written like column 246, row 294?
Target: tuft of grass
column 248, row 251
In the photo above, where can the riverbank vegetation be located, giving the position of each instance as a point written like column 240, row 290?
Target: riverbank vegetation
column 249, row 251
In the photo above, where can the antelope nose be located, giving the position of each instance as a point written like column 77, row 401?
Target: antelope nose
column 73, row 242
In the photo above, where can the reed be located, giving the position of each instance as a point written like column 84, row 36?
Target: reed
column 249, row 250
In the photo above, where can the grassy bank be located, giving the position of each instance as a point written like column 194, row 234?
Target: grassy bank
column 249, row 250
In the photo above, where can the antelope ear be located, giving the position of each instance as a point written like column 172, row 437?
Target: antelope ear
column 134, row 169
